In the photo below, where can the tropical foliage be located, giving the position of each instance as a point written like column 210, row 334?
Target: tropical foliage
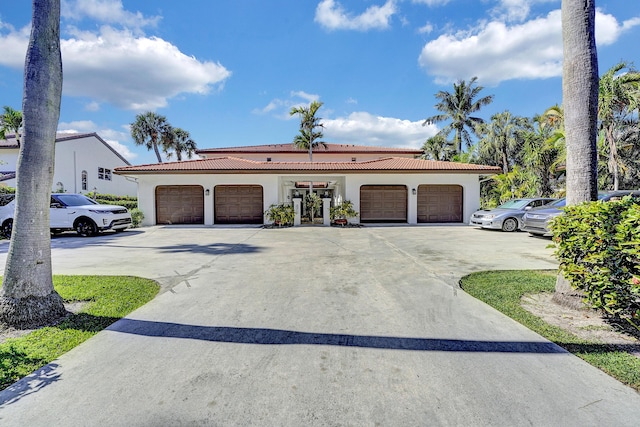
column 598, row 246
column 11, row 122
column 153, row 131
column 310, row 134
column 457, row 108
column 532, row 152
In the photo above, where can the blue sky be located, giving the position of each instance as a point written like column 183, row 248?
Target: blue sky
column 228, row 71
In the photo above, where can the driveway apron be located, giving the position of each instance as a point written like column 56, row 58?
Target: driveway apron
column 313, row 326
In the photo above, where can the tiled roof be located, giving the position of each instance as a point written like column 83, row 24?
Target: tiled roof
column 238, row 165
column 290, row 148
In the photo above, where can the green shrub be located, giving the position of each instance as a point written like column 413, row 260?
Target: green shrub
column 281, row 215
column 136, row 217
column 129, row 202
column 598, row 246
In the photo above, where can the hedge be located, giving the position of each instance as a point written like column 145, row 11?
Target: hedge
column 598, row 246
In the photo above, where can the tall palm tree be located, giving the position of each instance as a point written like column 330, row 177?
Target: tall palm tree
column 179, row 141
column 580, row 100
column 542, row 154
column 618, row 98
column 10, row 121
column 501, row 138
column 150, row 129
column 458, row 107
column 309, row 138
column 310, row 128
column 27, row 297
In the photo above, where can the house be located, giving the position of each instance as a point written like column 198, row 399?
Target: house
column 84, row 163
column 236, row 185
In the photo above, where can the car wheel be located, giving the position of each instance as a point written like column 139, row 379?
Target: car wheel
column 510, row 224
column 7, row 229
column 86, row 227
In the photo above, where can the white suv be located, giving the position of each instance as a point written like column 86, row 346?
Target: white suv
column 74, row 212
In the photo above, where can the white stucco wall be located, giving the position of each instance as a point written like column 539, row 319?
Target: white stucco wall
column 275, row 189
column 147, row 190
column 72, row 157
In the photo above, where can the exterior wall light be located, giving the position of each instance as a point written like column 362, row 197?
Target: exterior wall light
column 413, row 191
column 207, row 192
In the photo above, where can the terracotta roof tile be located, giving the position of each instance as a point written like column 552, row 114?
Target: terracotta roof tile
column 290, row 148
column 238, row 165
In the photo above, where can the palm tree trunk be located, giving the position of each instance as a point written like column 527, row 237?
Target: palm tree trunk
column 155, row 149
column 580, row 98
column 27, row 297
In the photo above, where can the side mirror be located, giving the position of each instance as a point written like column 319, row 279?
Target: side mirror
column 56, row 205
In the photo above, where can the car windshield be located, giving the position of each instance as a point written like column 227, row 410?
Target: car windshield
column 515, row 204
column 75, row 200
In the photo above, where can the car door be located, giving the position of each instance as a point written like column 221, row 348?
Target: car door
column 60, row 214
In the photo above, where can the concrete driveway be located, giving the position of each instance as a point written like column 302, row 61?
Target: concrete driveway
column 313, row 326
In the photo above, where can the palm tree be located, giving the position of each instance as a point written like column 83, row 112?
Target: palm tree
column 618, row 98
column 309, row 138
column 580, row 101
column 457, row 107
column 10, row 121
column 580, row 98
column 501, row 138
column 542, row 153
column 180, row 142
column 310, row 128
column 150, row 129
column 438, row 148
column 27, row 297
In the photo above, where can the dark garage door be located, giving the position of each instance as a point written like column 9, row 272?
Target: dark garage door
column 439, row 203
column 383, row 203
column 238, row 204
column 179, row 204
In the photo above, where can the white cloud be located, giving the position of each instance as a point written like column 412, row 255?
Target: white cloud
column 120, row 67
column 426, row 28
column 331, row 15
column 111, row 136
column 136, row 73
column 431, row 2
column 92, row 106
column 106, row 11
column 13, row 45
column 280, row 107
column 496, row 52
column 363, row 128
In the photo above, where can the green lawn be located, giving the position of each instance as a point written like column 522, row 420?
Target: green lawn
column 109, row 299
column 503, row 291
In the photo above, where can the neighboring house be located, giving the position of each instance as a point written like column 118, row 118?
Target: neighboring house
column 84, row 163
column 236, row 185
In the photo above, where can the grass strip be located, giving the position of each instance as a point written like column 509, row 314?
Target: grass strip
column 108, row 298
column 503, row 291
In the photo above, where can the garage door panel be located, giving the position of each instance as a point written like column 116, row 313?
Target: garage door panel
column 439, row 203
column 179, row 204
column 238, row 204
column 383, row 203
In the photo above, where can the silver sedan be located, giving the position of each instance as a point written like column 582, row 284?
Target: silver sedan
column 508, row 216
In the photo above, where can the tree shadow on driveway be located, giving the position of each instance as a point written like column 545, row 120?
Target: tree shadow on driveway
column 267, row 336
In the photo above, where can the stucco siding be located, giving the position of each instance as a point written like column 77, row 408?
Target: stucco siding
column 74, row 156
column 275, row 189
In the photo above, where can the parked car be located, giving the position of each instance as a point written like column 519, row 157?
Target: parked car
column 74, row 212
column 537, row 220
column 508, row 216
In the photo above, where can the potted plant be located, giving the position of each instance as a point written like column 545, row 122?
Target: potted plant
column 282, row 215
column 341, row 213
